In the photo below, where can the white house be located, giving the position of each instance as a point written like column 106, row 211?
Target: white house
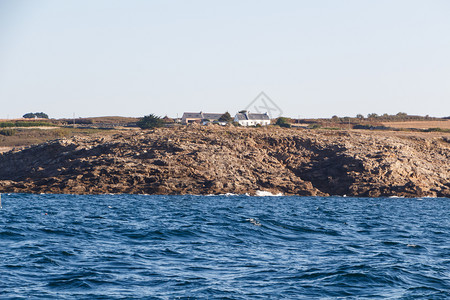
column 245, row 118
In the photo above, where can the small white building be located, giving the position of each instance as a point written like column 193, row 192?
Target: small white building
column 245, row 118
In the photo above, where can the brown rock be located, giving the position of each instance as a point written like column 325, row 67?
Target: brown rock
column 216, row 160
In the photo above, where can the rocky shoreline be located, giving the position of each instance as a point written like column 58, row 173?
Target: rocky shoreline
column 219, row 160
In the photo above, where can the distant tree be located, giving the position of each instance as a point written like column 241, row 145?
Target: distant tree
column 29, row 116
column 226, row 117
column 372, row 116
column 360, row 116
column 149, row 122
column 283, row 122
column 335, row 118
column 41, row 115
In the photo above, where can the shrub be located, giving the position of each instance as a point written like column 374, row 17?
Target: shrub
column 314, row 126
column 150, row 121
column 226, row 117
column 283, row 122
column 437, row 129
column 7, row 132
column 371, row 127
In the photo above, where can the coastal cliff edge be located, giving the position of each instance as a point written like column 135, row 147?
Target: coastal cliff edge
column 219, row 160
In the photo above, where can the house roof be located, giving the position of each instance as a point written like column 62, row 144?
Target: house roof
column 201, row 115
column 249, row 116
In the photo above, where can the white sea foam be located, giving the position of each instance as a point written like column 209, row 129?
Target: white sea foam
column 267, row 194
column 253, row 221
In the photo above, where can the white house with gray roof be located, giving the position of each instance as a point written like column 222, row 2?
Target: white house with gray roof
column 246, row 118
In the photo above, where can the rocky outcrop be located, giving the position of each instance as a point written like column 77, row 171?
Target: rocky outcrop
column 218, row 160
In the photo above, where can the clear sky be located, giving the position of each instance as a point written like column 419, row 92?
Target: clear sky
column 314, row 58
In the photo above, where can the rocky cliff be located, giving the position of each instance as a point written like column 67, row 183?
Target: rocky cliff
column 217, row 160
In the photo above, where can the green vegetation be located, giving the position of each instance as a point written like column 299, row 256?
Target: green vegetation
column 39, row 115
column 373, row 118
column 123, row 121
column 371, row 127
column 24, row 124
column 149, row 122
column 314, row 126
column 401, row 116
column 373, row 121
column 226, row 117
column 7, row 132
column 437, row 129
column 283, row 122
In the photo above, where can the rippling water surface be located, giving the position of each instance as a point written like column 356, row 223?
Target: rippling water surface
column 235, row 247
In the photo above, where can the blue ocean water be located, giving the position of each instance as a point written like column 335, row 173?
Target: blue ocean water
column 227, row 247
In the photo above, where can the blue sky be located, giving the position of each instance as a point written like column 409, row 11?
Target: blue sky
column 313, row 58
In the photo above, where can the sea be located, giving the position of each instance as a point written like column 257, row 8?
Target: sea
column 223, row 247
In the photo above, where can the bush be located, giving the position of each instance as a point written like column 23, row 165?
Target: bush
column 314, row 126
column 371, row 127
column 226, row 117
column 437, row 129
column 283, row 122
column 7, row 132
column 83, row 121
column 149, row 122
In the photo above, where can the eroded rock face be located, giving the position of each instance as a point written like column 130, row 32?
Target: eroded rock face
column 217, row 160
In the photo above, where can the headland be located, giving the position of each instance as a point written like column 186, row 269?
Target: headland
column 219, row 160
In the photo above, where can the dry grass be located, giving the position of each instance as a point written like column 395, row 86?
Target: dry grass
column 444, row 124
column 25, row 137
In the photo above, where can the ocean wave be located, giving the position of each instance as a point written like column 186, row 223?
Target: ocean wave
column 267, row 194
